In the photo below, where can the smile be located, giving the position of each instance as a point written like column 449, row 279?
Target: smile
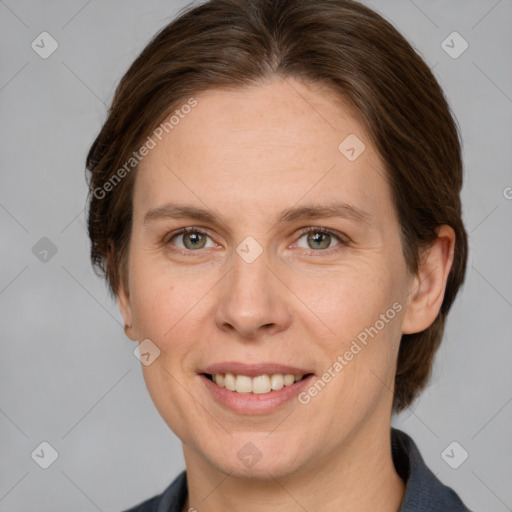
column 252, row 389
column 261, row 384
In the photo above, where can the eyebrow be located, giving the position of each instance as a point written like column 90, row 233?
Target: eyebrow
column 336, row 209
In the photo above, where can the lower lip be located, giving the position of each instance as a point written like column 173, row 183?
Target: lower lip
column 251, row 403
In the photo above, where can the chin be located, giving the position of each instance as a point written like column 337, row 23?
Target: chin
column 250, row 458
column 262, row 470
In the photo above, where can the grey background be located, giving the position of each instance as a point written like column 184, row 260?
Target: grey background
column 68, row 374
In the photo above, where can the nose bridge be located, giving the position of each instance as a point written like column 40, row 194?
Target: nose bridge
column 252, row 296
column 250, row 273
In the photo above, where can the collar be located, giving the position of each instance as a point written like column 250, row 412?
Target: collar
column 424, row 492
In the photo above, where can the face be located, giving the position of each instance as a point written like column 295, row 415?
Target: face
column 267, row 280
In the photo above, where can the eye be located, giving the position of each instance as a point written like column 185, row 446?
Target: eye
column 192, row 239
column 319, row 239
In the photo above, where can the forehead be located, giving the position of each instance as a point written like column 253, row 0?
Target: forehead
column 262, row 147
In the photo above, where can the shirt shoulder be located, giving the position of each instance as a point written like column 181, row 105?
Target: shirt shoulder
column 171, row 499
column 424, row 492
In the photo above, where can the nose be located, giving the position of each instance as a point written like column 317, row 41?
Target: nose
column 254, row 299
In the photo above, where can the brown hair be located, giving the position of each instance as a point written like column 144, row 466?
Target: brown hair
column 337, row 43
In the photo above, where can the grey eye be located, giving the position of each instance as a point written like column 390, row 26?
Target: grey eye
column 318, row 240
column 192, row 240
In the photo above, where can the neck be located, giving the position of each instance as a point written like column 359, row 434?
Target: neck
column 359, row 476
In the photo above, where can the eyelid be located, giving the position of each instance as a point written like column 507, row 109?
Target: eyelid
column 169, row 236
column 343, row 240
column 189, row 229
column 341, row 237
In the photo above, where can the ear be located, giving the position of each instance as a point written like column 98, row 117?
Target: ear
column 426, row 292
column 123, row 302
column 123, row 296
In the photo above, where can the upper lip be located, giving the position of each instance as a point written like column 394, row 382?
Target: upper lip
column 253, row 370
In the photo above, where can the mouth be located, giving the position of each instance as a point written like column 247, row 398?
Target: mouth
column 254, row 389
column 259, row 385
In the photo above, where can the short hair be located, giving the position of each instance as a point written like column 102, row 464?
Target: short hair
column 341, row 44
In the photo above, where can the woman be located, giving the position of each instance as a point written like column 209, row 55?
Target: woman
column 275, row 205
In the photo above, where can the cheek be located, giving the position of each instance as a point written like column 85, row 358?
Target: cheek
column 152, row 299
column 360, row 354
column 169, row 305
column 358, row 326
column 155, row 298
column 347, row 298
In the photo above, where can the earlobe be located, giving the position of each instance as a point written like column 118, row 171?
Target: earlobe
column 427, row 289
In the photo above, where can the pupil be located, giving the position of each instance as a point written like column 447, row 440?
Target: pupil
column 194, row 239
column 319, row 238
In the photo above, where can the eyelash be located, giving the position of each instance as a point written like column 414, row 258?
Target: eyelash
column 342, row 241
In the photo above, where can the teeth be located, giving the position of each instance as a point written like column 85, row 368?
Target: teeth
column 276, row 381
column 289, row 379
column 261, row 384
column 258, row 385
column 243, row 384
column 229, row 381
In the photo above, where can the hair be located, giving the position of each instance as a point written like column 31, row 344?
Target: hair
column 341, row 44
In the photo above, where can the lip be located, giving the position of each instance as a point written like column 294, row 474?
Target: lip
column 253, row 370
column 251, row 403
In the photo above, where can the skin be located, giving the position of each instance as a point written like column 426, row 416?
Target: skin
column 247, row 154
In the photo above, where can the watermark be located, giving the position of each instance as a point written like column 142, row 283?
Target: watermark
column 454, row 455
column 343, row 360
column 507, row 192
column 146, row 352
column 454, row 45
column 44, row 455
column 44, row 250
column 249, row 455
column 165, row 127
column 351, row 147
column 44, row 45
column 249, row 249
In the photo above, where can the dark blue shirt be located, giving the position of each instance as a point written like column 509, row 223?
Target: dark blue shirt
column 423, row 491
